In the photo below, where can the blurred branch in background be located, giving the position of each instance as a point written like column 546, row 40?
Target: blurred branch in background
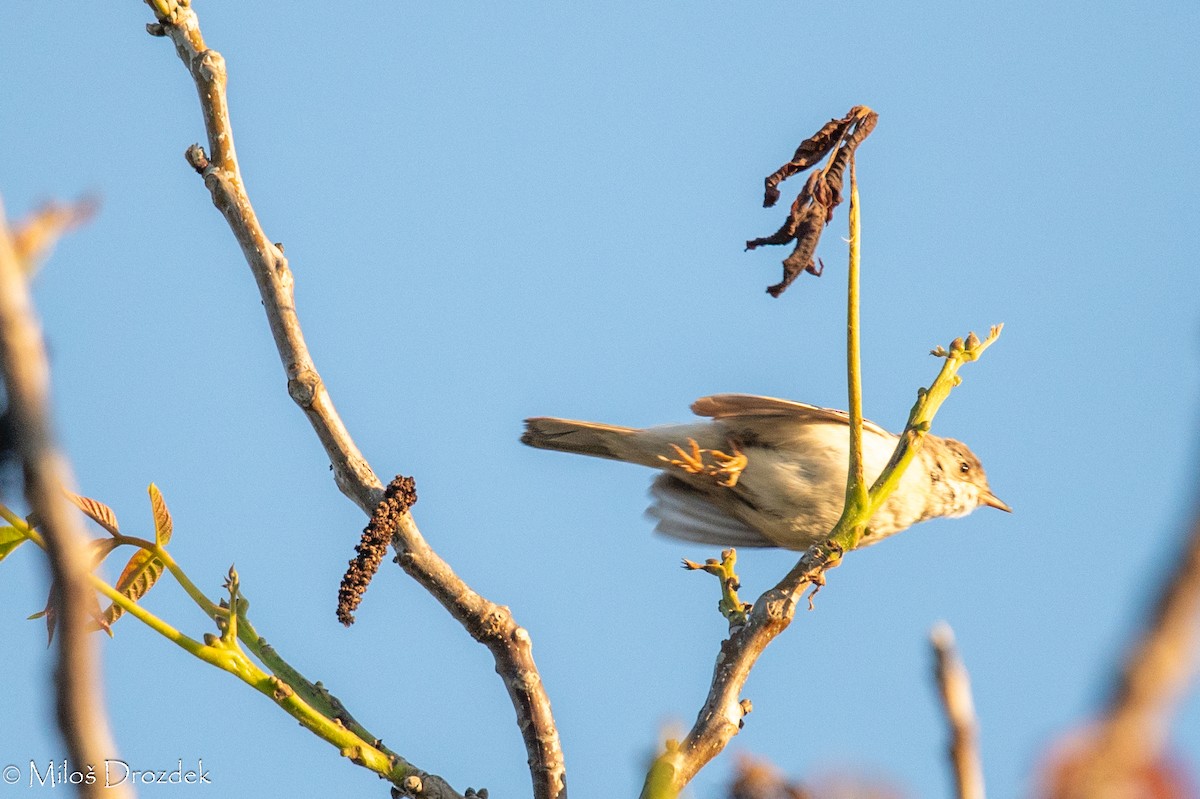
column 34, row 237
column 1125, row 753
column 954, row 686
column 78, row 689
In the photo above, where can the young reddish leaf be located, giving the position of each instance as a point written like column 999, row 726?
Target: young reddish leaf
column 49, row 614
column 51, row 623
column 96, row 510
column 140, row 574
column 10, row 539
column 162, row 517
column 100, row 620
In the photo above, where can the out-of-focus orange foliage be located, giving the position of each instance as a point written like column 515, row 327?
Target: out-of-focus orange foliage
column 1063, row 774
column 758, row 779
column 34, row 236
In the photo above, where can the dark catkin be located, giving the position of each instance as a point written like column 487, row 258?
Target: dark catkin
column 398, row 497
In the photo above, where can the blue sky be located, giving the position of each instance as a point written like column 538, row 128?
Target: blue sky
column 498, row 212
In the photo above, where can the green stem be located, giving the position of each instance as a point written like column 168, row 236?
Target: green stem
column 226, row 656
column 856, row 486
column 314, row 694
column 314, row 707
column 188, row 644
column 212, row 610
column 22, row 526
column 862, row 504
column 921, row 416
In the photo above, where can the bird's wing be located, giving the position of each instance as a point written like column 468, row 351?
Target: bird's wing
column 730, row 407
column 684, row 512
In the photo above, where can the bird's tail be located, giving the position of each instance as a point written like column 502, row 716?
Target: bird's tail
column 584, row 438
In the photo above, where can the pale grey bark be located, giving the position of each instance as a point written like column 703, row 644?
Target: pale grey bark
column 491, row 624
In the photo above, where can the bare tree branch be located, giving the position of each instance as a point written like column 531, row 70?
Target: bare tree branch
column 721, row 716
column 490, row 624
column 79, row 695
column 954, row 685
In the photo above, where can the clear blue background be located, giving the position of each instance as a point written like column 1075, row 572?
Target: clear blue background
column 499, row 212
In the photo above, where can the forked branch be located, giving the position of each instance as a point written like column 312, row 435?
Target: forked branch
column 722, row 714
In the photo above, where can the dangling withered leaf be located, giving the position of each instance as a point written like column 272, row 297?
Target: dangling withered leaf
column 822, row 192
column 162, row 517
column 810, row 151
column 834, row 178
column 10, row 539
column 804, row 224
column 139, row 576
column 95, row 510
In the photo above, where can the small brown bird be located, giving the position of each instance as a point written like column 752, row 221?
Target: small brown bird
column 765, row 472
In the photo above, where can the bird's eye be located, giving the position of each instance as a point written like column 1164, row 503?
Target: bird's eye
column 964, row 467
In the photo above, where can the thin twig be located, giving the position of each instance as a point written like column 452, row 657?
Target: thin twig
column 721, row 716
column 79, row 696
column 954, row 686
column 491, row 624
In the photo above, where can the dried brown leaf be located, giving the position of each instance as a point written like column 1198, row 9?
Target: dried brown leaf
column 810, row 151
column 822, row 192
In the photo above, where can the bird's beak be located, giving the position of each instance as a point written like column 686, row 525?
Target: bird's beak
column 992, row 501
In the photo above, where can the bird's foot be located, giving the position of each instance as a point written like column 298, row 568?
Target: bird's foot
column 724, row 468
